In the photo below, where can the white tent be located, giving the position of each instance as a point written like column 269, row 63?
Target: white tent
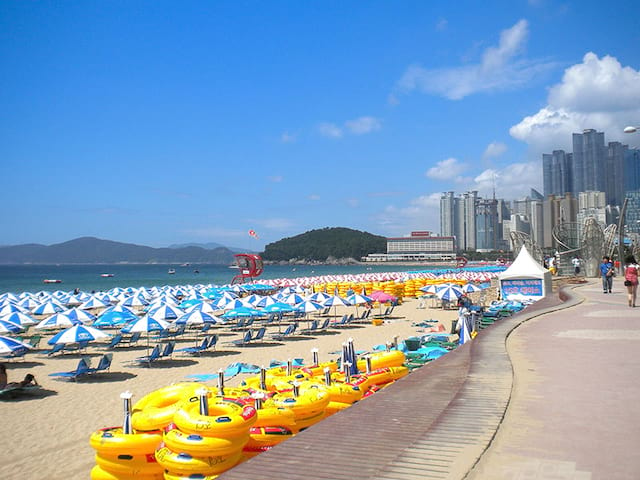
column 525, row 279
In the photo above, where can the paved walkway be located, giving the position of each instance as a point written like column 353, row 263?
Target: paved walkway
column 574, row 411
column 551, row 393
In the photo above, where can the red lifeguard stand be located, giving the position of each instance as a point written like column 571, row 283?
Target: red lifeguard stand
column 250, row 266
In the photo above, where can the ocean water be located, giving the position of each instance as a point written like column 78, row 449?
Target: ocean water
column 29, row 278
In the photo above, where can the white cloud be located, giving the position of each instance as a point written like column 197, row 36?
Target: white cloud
column 330, row 130
column 422, row 213
column 597, row 93
column 353, row 202
column 363, row 125
column 513, row 181
column 446, row 169
column 313, row 197
column 287, row 137
column 275, row 178
column 494, row 149
column 500, row 68
column 442, row 24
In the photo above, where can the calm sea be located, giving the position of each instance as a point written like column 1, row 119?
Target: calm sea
column 29, row 278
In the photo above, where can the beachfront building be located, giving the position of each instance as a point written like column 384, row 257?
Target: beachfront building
column 420, row 246
column 592, row 166
column 458, row 218
column 557, row 210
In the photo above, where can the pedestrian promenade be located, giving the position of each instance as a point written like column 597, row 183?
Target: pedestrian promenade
column 574, row 412
column 549, row 393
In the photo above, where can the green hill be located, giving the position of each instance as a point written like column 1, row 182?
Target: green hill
column 320, row 245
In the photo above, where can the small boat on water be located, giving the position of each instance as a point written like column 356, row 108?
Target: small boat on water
column 171, row 271
column 106, row 275
column 51, row 280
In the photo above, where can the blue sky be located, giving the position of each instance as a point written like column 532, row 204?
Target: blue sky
column 159, row 123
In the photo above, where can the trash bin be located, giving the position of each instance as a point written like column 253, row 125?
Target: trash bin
column 454, row 325
column 412, row 344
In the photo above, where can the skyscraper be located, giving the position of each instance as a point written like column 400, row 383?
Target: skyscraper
column 588, row 161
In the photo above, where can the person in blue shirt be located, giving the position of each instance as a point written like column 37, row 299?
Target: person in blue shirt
column 606, row 272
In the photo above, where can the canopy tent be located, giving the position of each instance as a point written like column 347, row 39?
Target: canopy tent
column 525, row 279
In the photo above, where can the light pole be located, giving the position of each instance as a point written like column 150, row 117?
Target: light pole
column 629, row 129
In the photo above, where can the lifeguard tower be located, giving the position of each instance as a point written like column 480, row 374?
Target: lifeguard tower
column 250, row 266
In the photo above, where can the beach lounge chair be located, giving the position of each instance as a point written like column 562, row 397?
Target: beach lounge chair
column 168, row 350
column 18, row 353
column 325, row 325
column 83, row 368
column 313, row 328
column 245, row 340
column 206, row 344
column 103, row 365
column 57, row 348
column 34, row 341
column 212, row 342
column 205, row 328
column 133, row 339
column 259, row 336
column 117, row 339
column 149, row 359
column 289, row 332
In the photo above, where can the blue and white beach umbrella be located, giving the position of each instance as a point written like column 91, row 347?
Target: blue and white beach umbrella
column 77, row 314
column 10, row 345
column 92, row 303
column 309, row 306
column 449, row 293
column 319, row 297
column 293, row 299
column 166, row 312
column 279, row 307
column 470, row 288
column 197, row 317
column 77, row 334
column 8, row 308
column 48, row 308
column 59, row 320
column 19, row 318
column 10, row 327
column 145, row 324
column 242, row 312
column 336, row 301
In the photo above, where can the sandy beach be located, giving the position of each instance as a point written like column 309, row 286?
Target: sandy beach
column 47, row 434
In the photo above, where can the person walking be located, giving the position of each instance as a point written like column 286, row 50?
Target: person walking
column 606, row 272
column 576, row 262
column 631, row 279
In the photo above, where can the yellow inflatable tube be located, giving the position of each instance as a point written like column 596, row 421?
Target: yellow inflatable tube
column 129, row 464
column 111, row 441
column 185, row 464
column 225, row 419
column 155, row 410
column 98, row 473
column 177, row 476
column 199, row 445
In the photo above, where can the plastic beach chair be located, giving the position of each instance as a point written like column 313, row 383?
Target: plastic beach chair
column 148, row 359
column 103, row 364
column 115, row 341
column 83, row 368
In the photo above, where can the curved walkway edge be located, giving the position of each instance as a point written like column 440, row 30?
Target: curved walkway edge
column 433, row 424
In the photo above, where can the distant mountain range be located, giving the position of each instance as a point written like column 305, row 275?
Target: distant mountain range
column 88, row 250
column 211, row 246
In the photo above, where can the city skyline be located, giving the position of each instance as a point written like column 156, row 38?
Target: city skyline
column 166, row 124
